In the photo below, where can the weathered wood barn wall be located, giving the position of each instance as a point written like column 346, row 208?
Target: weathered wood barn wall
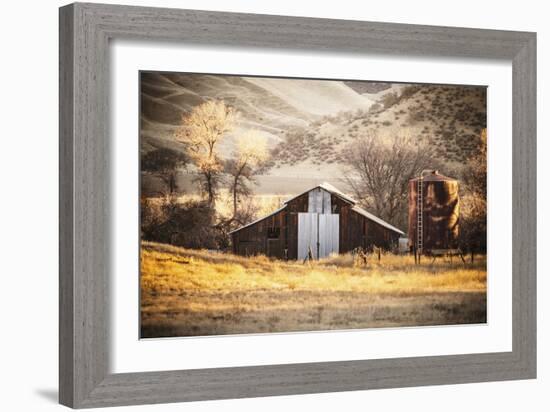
column 322, row 219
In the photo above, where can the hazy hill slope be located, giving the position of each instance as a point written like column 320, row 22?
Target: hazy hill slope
column 448, row 117
column 268, row 105
column 316, row 97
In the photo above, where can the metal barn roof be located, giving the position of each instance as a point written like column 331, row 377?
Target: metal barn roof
column 331, row 189
column 376, row 219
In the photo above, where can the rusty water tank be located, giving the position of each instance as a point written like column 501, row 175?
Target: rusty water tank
column 434, row 209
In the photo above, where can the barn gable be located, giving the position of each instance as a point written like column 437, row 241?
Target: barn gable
column 327, row 187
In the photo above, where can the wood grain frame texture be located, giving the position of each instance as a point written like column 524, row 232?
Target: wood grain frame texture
column 85, row 31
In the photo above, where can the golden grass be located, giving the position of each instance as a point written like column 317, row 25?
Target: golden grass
column 190, row 292
column 168, row 268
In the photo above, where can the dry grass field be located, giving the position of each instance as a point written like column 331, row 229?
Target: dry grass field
column 194, row 292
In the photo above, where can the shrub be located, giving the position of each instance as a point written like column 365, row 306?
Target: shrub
column 189, row 224
column 388, row 100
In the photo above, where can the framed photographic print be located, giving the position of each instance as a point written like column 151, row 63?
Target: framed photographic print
column 256, row 198
column 260, row 205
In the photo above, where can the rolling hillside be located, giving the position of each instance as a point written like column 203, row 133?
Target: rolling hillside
column 308, row 123
column 270, row 106
column 449, row 118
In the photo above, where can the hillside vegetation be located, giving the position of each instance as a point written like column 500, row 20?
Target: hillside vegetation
column 188, row 292
column 448, row 118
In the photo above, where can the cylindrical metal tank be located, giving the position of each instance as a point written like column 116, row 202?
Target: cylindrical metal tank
column 434, row 210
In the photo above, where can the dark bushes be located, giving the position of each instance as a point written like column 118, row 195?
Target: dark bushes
column 190, row 224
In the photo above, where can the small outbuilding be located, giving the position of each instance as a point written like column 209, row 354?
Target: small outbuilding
column 322, row 220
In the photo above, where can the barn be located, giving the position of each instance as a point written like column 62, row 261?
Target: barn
column 322, row 219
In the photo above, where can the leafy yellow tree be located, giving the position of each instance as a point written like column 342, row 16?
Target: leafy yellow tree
column 475, row 172
column 201, row 131
column 473, row 204
column 249, row 154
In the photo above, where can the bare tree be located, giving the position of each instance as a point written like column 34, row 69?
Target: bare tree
column 201, row 131
column 249, row 154
column 379, row 171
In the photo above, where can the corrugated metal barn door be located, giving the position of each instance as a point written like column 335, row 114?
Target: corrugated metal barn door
column 307, row 234
column 316, row 227
column 329, row 230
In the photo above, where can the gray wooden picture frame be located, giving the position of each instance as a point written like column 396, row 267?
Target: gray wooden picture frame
column 85, row 31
